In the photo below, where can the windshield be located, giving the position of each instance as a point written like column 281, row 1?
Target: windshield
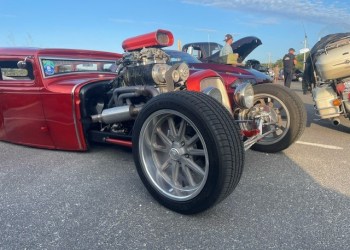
column 179, row 56
column 56, row 66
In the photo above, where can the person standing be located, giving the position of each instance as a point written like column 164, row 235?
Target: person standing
column 289, row 62
column 227, row 49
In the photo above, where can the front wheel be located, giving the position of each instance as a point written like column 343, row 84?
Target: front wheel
column 283, row 114
column 187, row 151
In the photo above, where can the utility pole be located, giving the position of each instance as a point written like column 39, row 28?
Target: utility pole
column 305, row 46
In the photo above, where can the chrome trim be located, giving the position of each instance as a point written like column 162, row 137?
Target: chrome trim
column 218, row 83
column 241, row 98
column 75, row 118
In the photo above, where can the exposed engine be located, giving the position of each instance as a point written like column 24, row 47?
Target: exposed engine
column 143, row 72
column 151, row 67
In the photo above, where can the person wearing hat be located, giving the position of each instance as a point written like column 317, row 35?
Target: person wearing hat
column 289, row 62
column 227, row 49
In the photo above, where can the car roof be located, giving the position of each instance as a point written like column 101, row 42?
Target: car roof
column 29, row 51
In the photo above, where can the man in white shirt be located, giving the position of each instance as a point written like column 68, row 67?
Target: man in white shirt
column 227, row 49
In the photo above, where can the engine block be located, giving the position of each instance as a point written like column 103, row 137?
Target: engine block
column 151, row 66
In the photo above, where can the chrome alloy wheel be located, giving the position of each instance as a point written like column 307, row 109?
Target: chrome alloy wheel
column 173, row 155
column 275, row 117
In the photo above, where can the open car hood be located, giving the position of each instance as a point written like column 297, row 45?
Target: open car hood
column 243, row 47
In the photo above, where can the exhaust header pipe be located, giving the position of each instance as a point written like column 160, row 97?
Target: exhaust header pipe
column 116, row 114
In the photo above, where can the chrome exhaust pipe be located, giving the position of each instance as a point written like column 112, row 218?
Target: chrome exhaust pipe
column 116, row 114
column 335, row 121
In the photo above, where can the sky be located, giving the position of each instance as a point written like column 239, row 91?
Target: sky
column 103, row 25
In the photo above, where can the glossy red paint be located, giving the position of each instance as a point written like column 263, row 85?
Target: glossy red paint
column 194, row 81
column 119, row 142
column 158, row 39
column 45, row 112
column 250, row 133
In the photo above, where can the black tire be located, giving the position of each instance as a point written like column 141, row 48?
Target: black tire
column 167, row 151
column 294, row 115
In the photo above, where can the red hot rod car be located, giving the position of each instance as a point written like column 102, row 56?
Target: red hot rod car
column 187, row 147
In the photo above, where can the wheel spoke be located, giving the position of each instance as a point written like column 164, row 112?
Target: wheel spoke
column 192, row 140
column 165, row 165
column 159, row 148
column 195, row 151
column 148, row 141
column 172, row 126
column 189, row 176
column 163, row 137
column 175, row 174
column 182, row 129
column 192, row 165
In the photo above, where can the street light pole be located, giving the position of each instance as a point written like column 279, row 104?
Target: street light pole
column 305, row 41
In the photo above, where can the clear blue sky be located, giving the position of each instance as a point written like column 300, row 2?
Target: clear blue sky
column 103, row 25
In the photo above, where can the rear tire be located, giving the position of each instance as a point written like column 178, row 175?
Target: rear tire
column 187, row 151
column 288, row 111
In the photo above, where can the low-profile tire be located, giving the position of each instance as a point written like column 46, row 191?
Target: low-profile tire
column 187, row 150
column 290, row 112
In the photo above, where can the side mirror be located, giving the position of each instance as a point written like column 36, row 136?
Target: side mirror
column 21, row 64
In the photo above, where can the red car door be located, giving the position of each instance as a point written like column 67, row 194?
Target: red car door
column 22, row 118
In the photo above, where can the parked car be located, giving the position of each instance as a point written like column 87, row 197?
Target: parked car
column 255, row 76
column 297, row 75
column 208, row 52
column 255, row 64
column 188, row 149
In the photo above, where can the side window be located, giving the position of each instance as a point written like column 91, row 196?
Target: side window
column 194, row 51
column 215, row 50
column 197, row 53
column 10, row 71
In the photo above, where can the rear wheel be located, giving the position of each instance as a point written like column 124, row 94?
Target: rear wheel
column 187, row 151
column 283, row 112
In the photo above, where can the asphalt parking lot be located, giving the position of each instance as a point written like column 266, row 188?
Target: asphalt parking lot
column 296, row 199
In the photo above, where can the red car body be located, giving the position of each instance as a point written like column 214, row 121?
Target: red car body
column 44, row 111
column 188, row 149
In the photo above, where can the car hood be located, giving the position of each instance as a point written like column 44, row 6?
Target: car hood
column 259, row 76
column 221, row 68
column 240, row 72
column 243, row 47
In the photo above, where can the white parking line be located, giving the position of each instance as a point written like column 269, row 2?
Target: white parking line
column 319, row 145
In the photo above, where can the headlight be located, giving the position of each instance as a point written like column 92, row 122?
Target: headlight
column 213, row 92
column 244, row 95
